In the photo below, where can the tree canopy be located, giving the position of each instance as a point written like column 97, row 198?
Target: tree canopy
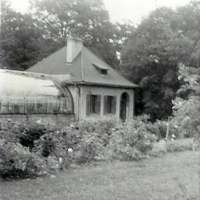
column 87, row 19
column 153, row 52
column 26, row 38
column 21, row 39
column 186, row 106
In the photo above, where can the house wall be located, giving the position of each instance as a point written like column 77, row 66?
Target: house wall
column 79, row 94
column 80, row 101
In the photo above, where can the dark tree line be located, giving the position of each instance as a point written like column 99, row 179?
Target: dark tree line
column 153, row 52
column 27, row 38
column 150, row 52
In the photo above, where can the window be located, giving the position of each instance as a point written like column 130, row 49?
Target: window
column 93, row 104
column 101, row 69
column 109, row 104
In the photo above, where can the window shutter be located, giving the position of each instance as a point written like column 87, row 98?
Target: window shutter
column 88, row 104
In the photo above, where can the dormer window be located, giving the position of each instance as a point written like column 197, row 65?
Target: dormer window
column 101, row 69
column 104, row 71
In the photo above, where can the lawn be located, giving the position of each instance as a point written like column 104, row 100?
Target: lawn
column 175, row 176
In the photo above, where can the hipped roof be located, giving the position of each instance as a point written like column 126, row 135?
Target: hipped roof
column 82, row 70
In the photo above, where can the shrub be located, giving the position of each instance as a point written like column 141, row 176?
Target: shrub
column 34, row 148
column 31, row 132
column 164, row 146
column 9, row 131
column 23, row 133
column 16, row 161
column 59, row 144
column 98, row 140
column 131, row 141
column 102, row 128
column 91, row 148
column 85, row 144
column 179, row 145
column 95, row 136
column 159, row 128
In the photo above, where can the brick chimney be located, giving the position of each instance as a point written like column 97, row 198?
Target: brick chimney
column 74, row 47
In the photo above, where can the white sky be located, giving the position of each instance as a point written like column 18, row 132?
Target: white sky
column 122, row 10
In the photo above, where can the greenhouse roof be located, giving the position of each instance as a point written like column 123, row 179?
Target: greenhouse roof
column 17, row 83
column 32, row 93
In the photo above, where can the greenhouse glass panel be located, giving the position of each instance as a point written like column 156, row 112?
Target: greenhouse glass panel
column 28, row 93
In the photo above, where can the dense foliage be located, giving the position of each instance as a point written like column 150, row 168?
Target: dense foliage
column 150, row 58
column 17, row 161
column 38, row 150
column 21, row 40
column 187, row 103
column 27, row 38
column 132, row 140
column 16, row 158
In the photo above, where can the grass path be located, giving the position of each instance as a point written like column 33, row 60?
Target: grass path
column 175, row 176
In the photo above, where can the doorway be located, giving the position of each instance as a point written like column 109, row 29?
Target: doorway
column 124, row 106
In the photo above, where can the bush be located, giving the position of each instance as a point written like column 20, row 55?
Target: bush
column 85, row 141
column 131, row 141
column 159, row 128
column 9, row 131
column 91, row 148
column 101, row 128
column 28, row 150
column 23, row 133
column 94, row 137
column 31, row 132
column 16, row 161
column 179, row 145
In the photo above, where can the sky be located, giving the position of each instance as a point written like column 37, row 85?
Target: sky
column 121, row 10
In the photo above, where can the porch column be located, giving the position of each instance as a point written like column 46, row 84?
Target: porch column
column 118, row 107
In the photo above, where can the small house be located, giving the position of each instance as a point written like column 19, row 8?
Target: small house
column 71, row 84
column 98, row 90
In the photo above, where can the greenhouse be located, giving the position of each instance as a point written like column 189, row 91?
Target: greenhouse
column 31, row 93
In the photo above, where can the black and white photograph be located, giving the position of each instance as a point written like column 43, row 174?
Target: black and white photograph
column 99, row 99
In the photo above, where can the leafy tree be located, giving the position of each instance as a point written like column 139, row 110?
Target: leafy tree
column 151, row 56
column 188, row 23
column 186, row 106
column 21, row 40
column 87, row 19
column 26, row 39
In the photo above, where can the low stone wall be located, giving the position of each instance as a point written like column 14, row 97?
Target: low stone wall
column 53, row 119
